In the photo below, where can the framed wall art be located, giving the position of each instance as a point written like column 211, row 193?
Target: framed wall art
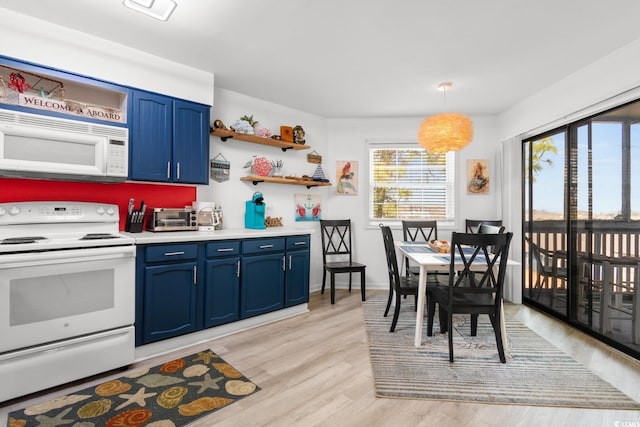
column 347, row 177
column 308, row 207
column 478, row 176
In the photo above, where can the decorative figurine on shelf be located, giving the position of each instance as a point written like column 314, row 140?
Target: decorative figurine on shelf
column 263, row 132
column 260, row 166
column 298, row 135
column 242, row 126
column 319, row 175
column 217, row 124
column 18, row 83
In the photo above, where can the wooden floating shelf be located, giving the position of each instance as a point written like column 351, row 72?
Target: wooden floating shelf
column 224, row 134
column 277, row 180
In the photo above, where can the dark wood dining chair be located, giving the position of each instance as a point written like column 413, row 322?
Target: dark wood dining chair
column 398, row 285
column 477, row 288
column 337, row 254
column 484, row 228
column 471, row 225
column 417, row 230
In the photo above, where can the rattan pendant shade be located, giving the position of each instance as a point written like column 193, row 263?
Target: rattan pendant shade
column 447, row 131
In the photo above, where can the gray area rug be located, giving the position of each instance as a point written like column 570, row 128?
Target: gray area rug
column 536, row 372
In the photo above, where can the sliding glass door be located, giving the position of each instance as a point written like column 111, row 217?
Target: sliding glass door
column 546, row 221
column 582, row 225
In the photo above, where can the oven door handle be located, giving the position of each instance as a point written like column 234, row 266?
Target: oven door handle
column 27, row 259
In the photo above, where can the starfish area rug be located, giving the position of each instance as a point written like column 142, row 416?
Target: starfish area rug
column 172, row 394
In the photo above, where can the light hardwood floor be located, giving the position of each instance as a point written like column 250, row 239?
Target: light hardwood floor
column 314, row 370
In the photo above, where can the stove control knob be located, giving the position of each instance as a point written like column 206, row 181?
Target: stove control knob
column 14, row 210
column 100, row 210
column 110, row 211
column 3, row 211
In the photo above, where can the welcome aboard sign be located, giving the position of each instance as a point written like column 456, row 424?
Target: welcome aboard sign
column 28, row 89
column 71, row 107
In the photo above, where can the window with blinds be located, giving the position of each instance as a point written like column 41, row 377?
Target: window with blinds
column 407, row 182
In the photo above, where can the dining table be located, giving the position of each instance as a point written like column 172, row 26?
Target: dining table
column 432, row 260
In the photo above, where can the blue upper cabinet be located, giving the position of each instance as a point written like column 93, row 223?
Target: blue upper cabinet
column 150, row 137
column 190, row 142
column 169, row 139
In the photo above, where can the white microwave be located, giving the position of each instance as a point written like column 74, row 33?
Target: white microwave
column 37, row 146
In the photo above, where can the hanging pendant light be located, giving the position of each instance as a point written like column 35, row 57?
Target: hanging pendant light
column 446, row 131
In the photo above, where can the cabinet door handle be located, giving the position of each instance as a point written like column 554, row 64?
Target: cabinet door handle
column 174, row 253
column 265, row 246
column 178, row 172
column 195, row 275
column 225, row 249
column 284, row 266
column 289, row 262
column 238, row 269
column 299, row 243
column 168, row 170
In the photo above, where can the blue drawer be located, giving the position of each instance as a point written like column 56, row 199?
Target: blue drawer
column 164, row 253
column 298, row 242
column 223, row 248
column 257, row 246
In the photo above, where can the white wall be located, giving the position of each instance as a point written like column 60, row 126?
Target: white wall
column 347, row 141
column 610, row 81
column 232, row 194
column 29, row 39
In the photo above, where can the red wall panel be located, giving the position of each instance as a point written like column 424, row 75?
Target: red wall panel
column 154, row 195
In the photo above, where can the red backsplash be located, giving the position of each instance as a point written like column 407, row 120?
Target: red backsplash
column 154, row 195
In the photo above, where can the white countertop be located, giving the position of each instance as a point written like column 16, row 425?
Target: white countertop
column 148, row 237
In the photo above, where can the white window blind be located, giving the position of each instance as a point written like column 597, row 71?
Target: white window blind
column 407, row 182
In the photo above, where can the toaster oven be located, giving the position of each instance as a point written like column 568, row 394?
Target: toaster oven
column 172, row 219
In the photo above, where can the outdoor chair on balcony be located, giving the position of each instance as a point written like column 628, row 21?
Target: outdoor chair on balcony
column 550, row 268
column 608, row 288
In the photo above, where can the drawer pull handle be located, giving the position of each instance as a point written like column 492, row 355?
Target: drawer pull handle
column 265, row 246
column 225, row 250
column 174, row 253
column 300, row 243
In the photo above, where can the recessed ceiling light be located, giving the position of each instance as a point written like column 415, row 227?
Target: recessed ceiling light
column 158, row 9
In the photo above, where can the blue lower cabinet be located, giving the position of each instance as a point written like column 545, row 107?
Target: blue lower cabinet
column 186, row 287
column 262, row 276
column 297, row 271
column 166, row 291
column 169, row 301
column 222, row 283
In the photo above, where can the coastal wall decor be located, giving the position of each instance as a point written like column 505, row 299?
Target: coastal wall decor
column 308, row 207
column 477, row 176
column 347, row 177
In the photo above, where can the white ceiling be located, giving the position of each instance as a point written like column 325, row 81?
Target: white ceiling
column 367, row 58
